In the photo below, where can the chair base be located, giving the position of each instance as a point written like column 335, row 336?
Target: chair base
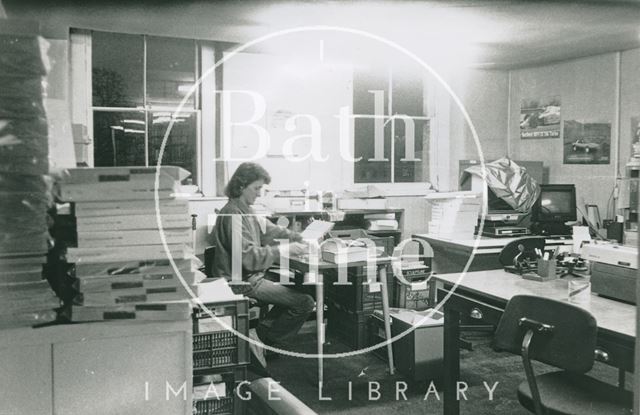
column 564, row 393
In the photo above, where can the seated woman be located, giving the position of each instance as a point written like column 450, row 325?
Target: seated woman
column 260, row 249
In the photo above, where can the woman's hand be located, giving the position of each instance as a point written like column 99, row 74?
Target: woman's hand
column 298, row 249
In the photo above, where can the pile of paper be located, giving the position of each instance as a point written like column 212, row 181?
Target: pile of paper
column 25, row 299
column 381, row 221
column 121, row 266
column 370, row 197
column 454, row 215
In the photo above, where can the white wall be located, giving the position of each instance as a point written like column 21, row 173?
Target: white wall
column 590, row 91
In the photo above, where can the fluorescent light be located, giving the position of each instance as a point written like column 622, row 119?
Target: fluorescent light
column 132, row 131
column 134, row 122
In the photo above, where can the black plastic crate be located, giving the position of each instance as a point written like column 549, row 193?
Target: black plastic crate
column 218, row 403
column 414, row 295
column 358, row 295
column 214, row 346
column 349, row 327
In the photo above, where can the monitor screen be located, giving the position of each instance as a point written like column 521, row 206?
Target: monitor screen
column 557, row 203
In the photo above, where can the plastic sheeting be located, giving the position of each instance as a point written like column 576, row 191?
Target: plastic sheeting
column 510, row 182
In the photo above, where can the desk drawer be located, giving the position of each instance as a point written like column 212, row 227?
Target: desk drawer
column 614, row 353
column 471, row 309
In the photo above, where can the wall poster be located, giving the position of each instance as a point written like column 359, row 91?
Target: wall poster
column 540, row 118
column 635, row 132
column 587, row 143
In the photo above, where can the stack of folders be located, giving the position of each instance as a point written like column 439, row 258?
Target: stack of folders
column 454, row 215
column 25, row 299
column 121, row 266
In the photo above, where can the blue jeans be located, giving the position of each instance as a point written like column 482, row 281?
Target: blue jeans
column 290, row 308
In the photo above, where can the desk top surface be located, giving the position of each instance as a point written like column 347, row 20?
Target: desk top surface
column 487, row 243
column 611, row 315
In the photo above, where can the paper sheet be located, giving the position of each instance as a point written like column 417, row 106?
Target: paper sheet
column 316, row 230
column 580, row 235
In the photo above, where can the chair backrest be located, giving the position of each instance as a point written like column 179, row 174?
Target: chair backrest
column 510, row 250
column 571, row 344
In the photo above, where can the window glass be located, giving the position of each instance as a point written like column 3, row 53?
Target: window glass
column 406, row 170
column 366, row 170
column 180, row 147
column 117, row 68
column 170, row 71
column 119, row 138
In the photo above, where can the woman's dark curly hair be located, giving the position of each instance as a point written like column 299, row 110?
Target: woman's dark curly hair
column 246, row 174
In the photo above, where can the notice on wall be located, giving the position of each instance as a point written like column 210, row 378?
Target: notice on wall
column 587, row 143
column 540, row 118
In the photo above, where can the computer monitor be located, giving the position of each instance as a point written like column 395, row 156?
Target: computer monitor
column 555, row 206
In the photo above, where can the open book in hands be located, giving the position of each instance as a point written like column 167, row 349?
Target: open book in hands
column 316, row 230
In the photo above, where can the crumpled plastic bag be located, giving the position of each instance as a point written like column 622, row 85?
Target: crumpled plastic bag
column 510, row 182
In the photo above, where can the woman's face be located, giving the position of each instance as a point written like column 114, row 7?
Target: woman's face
column 252, row 191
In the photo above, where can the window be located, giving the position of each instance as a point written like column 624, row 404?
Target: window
column 391, row 128
column 138, row 83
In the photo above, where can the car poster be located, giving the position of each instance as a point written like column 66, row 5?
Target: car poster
column 587, row 143
column 635, row 131
column 540, row 118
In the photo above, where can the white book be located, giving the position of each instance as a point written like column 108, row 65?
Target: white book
column 119, row 222
column 17, row 290
column 137, row 237
column 122, row 174
column 132, row 296
column 161, row 311
column 7, row 277
column 134, row 267
column 131, row 208
column 115, row 254
column 338, row 253
column 113, row 191
column 143, row 281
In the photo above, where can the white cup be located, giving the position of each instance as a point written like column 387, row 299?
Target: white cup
column 579, row 291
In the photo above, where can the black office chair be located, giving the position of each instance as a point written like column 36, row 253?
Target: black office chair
column 564, row 336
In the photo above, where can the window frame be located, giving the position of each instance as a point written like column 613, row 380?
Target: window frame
column 393, row 186
column 83, row 108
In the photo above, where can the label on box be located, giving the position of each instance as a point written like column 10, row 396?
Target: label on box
column 374, row 287
column 208, row 324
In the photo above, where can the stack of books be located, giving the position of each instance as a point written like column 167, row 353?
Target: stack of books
column 121, row 266
column 25, row 299
column 381, row 221
column 454, row 215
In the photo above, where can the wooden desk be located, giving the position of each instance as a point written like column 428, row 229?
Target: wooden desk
column 483, row 296
column 451, row 255
column 314, row 270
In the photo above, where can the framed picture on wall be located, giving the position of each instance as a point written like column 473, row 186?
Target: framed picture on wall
column 540, row 118
column 587, row 143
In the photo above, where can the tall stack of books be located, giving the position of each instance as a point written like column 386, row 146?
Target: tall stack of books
column 121, row 266
column 454, row 215
column 25, row 299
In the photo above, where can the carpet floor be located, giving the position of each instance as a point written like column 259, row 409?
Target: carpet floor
column 361, row 384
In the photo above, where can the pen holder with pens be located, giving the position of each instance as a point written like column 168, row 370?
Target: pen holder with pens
column 547, row 269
